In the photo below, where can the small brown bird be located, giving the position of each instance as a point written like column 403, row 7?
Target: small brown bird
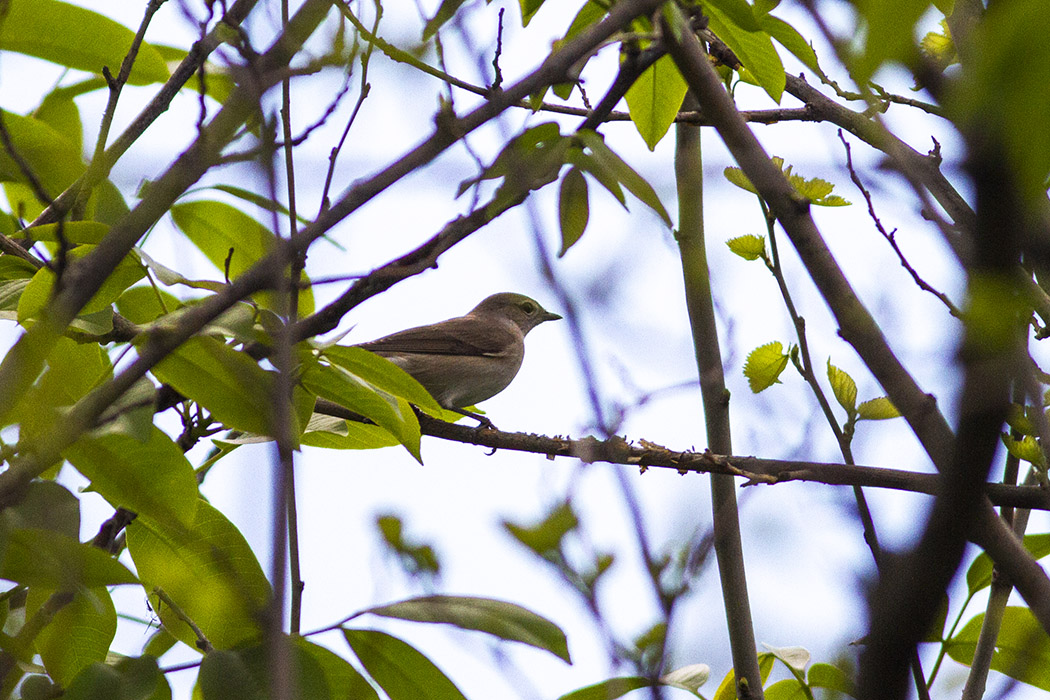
column 466, row 360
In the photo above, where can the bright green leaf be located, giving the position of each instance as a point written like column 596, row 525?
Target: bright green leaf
column 844, row 388
column 1022, row 650
column 753, row 47
column 655, row 98
column 823, row 675
column 381, row 373
column 78, row 38
column 1027, row 449
column 498, row 618
column 230, row 384
column 877, row 409
column 78, row 635
column 749, row 247
column 337, row 434
column 979, row 575
column 55, row 561
column 787, row 689
column 153, row 479
column 210, row 572
column 764, row 365
column 791, row 40
column 75, row 232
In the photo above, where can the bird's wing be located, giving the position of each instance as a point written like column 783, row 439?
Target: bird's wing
column 446, row 338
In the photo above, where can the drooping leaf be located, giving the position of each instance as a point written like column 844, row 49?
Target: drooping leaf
column 654, row 100
column 618, row 169
column 496, row 617
column 400, row 670
column 689, row 677
column 823, row 675
column 210, row 572
column 764, row 365
column 573, row 210
column 752, row 46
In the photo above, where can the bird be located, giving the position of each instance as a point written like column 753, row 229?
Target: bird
column 468, row 359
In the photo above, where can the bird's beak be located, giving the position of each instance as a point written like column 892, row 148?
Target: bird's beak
column 548, row 316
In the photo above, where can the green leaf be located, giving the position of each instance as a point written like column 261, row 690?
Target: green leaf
column 1022, row 650
column 58, row 110
column 823, row 675
column 56, row 561
column 218, row 84
column 573, row 210
column 445, row 12
column 78, row 635
column 752, row 46
column 791, row 40
column 228, row 236
column 736, row 176
column 609, row 689
column 257, row 199
column 39, row 290
column 228, row 383
column 877, row 409
column 360, row 396
column 338, row 434
column 498, row 618
column 344, row 681
column 400, row 670
column 979, row 575
column 75, row 232
column 44, row 505
column 153, row 478
column 1027, row 449
column 615, row 166
column 889, row 34
column 546, row 536
column 145, row 304
column 528, row 9
column 381, row 373
column 787, row 689
column 844, row 388
column 654, row 100
column 210, row 572
column 96, row 681
column 737, row 11
column 78, row 38
column 764, row 365
column 225, row 676
column 1017, row 417
column 749, row 247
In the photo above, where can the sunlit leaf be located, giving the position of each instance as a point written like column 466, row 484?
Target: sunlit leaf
column 764, row 365
column 749, row 247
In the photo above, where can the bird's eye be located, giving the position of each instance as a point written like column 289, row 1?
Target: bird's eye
column 528, row 307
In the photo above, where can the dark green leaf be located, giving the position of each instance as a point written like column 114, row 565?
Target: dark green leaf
column 623, row 173
column 381, row 373
column 573, row 209
column 498, row 618
column 225, row 676
column 546, row 536
column 753, row 47
column 401, row 671
column 45, row 505
column 95, row 682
